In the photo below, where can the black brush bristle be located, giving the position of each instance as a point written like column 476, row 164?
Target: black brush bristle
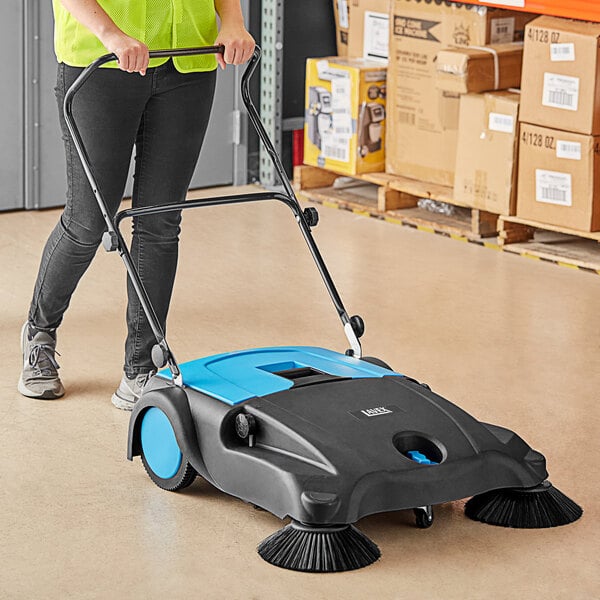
column 528, row 508
column 319, row 549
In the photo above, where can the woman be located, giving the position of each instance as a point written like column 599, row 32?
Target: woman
column 162, row 108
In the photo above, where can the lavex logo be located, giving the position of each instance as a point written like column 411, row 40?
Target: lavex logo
column 375, row 412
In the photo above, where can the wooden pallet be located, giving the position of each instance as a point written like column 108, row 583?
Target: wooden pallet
column 395, row 198
column 560, row 245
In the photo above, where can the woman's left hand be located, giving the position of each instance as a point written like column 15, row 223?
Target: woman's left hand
column 239, row 45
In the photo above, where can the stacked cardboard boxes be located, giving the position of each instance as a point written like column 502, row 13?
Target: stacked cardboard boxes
column 486, row 164
column 423, row 120
column 362, row 28
column 559, row 164
column 486, row 155
column 479, row 68
column 345, row 115
column 368, row 34
column 342, row 25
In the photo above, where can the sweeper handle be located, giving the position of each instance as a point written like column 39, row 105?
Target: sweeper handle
column 113, row 240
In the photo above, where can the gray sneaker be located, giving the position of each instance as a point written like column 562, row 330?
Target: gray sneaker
column 129, row 391
column 39, row 378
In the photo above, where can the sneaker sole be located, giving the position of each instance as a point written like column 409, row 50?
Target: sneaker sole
column 121, row 403
column 46, row 395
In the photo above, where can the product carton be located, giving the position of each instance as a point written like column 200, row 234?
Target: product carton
column 479, row 69
column 559, row 178
column 345, row 115
column 342, row 25
column 561, row 71
column 422, row 145
column 368, row 36
column 486, row 161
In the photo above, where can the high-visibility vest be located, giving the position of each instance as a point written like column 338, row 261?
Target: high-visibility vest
column 160, row 24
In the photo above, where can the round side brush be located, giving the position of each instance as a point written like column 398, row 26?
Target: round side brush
column 312, row 549
column 525, row 508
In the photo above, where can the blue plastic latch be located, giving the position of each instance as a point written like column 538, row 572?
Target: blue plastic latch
column 420, row 458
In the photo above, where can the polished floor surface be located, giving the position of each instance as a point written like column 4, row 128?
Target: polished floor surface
column 513, row 341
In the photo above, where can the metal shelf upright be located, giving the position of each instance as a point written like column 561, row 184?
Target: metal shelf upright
column 271, row 80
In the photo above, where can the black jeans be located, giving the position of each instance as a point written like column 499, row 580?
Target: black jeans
column 165, row 115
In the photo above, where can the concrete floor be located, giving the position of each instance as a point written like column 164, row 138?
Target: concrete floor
column 514, row 342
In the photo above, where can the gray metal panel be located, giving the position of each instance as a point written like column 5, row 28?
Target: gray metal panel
column 52, row 169
column 215, row 166
column 11, row 106
column 224, row 155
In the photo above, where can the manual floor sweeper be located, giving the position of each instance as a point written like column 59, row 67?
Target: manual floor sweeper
column 321, row 437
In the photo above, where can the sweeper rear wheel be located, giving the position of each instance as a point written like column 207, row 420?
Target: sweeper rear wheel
column 161, row 456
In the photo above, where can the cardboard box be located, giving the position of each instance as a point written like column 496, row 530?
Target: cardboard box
column 486, row 158
column 561, row 71
column 559, row 178
column 345, row 115
column 422, row 145
column 368, row 36
column 342, row 25
column 479, row 69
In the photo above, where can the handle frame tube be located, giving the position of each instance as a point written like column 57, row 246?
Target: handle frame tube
column 115, row 240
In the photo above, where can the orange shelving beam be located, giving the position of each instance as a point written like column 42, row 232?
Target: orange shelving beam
column 588, row 10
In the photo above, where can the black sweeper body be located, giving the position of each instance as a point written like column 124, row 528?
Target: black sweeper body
column 321, row 437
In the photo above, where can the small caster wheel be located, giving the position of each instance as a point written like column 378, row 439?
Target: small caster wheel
column 424, row 517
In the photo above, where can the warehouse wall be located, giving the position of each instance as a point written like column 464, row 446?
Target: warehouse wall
column 32, row 164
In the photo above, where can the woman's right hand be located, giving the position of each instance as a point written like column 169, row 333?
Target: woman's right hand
column 132, row 54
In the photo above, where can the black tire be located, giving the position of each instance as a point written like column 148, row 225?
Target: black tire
column 376, row 361
column 422, row 519
column 183, row 478
column 162, row 457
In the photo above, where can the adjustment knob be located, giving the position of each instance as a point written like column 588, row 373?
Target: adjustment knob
column 358, row 325
column 311, row 216
column 109, row 241
column 159, row 356
column 245, row 426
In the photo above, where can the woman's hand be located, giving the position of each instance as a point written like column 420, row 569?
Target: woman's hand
column 239, row 45
column 132, row 54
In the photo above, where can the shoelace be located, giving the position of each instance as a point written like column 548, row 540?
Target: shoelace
column 41, row 358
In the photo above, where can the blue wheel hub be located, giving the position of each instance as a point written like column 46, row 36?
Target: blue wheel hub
column 159, row 444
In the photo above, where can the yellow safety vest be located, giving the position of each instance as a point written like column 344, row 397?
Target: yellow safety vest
column 160, row 24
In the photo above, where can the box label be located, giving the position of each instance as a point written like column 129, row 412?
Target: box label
column 502, row 30
column 561, row 91
column 570, row 150
column 414, row 28
column 501, row 122
column 343, row 13
column 336, row 140
column 562, row 52
column 376, row 38
column 553, row 187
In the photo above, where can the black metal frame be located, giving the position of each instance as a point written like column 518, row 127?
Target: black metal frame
column 113, row 240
